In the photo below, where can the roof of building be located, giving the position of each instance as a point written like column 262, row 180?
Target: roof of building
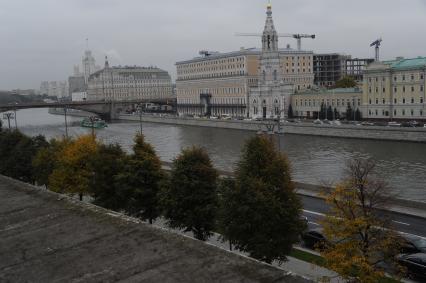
column 411, row 63
column 132, row 70
column 241, row 52
column 47, row 237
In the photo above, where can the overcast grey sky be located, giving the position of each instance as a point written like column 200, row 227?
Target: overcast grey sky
column 43, row 39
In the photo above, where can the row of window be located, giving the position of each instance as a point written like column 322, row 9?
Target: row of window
column 402, row 112
column 213, row 75
column 215, row 100
column 334, row 102
column 395, row 89
column 395, row 101
column 210, row 69
column 223, row 90
column 397, row 78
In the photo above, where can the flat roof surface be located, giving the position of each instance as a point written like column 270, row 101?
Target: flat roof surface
column 409, row 63
column 243, row 52
column 46, row 237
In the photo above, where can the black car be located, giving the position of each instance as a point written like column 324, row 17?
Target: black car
column 415, row 265
column 412, row 245
column 314, row 239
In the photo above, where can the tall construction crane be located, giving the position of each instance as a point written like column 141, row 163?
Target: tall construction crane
column 377, row 47
column 296, row 36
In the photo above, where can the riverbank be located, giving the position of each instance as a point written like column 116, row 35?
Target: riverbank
column 343, row 131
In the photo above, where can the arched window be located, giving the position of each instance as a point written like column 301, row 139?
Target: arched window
column 254, row 101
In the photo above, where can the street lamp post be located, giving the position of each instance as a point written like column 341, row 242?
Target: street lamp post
column 16, row 120
column 92, row 123
column 140, row 118
column 8, row 116
column 66, row 124
column 353, row 103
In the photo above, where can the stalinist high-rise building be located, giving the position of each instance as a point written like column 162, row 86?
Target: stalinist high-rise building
column 271, row 97
column 89, row 65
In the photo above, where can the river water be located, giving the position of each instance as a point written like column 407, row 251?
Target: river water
column 315, row 160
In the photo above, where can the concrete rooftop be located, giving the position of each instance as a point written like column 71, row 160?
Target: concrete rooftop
column 46, row 237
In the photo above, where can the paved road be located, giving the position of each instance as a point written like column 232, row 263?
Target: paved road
column 314, row 208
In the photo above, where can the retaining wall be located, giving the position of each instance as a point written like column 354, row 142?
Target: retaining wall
column 343, row 131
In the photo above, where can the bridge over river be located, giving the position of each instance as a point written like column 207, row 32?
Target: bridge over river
column 107, row 110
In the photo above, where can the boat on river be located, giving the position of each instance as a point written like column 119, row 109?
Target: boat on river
column 93, row 122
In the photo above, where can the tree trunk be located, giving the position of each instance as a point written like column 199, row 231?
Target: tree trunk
column 230, row 246
column 80, row 195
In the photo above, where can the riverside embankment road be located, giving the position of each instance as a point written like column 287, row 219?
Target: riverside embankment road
column 315, row 208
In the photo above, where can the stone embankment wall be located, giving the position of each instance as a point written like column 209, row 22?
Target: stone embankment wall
column 343, row 131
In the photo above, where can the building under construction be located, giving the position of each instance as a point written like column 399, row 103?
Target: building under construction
column 331, row 67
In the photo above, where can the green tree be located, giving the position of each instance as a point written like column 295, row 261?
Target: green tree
column 358, row 115
column 346, row 82
column 108, row 162
column 17, row 151
column 349, row 112
column 322, row 113
column 140, row 182
column 360, row 239
column 44, row 161
column 190, row 198
column 290, row 112
column 261, row 212
column 74, row 171
column 336, row 114
column 330, row 113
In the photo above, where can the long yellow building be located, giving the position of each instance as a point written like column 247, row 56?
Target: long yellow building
column 395, row 90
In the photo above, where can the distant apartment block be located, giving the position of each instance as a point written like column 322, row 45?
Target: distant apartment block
column 129, row 83
column 76, row 84
column 57, row 89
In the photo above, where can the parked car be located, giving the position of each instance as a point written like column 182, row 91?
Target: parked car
column 317, row 122
column 412, row 244
column 336, row 123
column 415, row 265
column 326, row 121
column 314, row 239
column 394, row 124
column 366, row 123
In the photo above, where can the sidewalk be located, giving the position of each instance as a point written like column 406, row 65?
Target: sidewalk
column 293, row 265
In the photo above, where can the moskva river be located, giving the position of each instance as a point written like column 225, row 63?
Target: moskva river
column 315, row 160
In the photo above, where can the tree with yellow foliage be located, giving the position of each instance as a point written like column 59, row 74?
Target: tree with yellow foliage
column 360, row 241
column 73, row 170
